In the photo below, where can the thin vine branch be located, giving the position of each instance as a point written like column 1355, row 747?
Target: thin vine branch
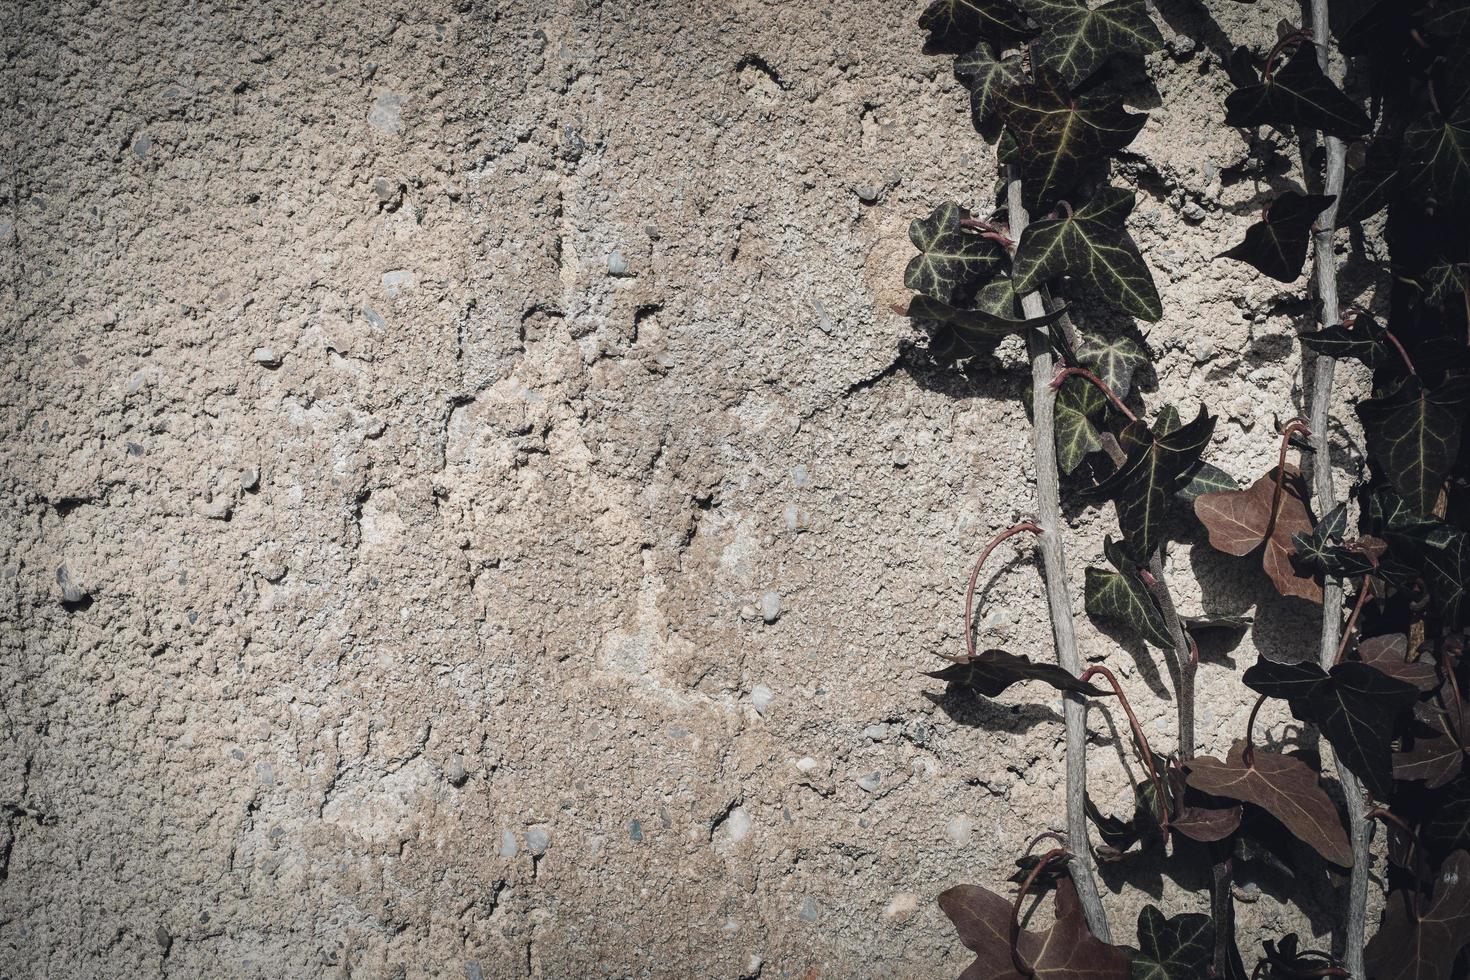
column 1360, row 829
column 1058, row 596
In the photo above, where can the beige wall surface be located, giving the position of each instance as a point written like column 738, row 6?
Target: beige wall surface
column 471, row 511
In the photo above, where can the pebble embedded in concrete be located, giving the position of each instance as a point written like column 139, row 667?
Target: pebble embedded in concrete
column 538, row 840
column 761, row 697
column 508, row 846
column 770, row 607
column 869, row 783
column 266, row 357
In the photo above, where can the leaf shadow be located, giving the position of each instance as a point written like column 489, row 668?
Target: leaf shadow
column 1141, row 652
column 1233, row 585
column 963, row 707
column 1192, row 19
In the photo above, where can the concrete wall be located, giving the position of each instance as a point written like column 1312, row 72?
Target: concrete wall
column 472, row 512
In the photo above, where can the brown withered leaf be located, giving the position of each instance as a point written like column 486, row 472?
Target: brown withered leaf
column 1284, row 787
column 1206, row 824
column 1387, row 654
column 1424, row 946
column 1066, row 951
column 1238, row 523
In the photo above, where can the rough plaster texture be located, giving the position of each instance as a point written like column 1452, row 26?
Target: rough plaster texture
column 470, row 510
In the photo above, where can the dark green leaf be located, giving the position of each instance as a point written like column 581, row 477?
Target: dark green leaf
column 1090, row 244
column 951, row 262
column 1422, row 945
column 1362, row 339
column 1355, row 706
column 1077, row 402
column 1060, row 137
column 1076, row 40
column 1413, row 436
column 987, row 77
column 1369, row 187
column 957, row 25
column 1277, row 244
column 1206, row 478
column 1179, row 948
column 1297, row 94
column 1447, row 826
column 996, row 314
column 1437, row 159
column 993, row 671
column 1120, row 595
column 1113, row 359
column 1320, row 551
column 1442, row 553
column 1155, row 467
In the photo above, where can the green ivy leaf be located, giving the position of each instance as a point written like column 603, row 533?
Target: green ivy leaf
column 1120, row 595
column 951, row 262
column 1090, row 244
column 1320, row 551
column 1442, row 552
column 1414, row 435
column 1355, row 706
column 1060, row 137
column 1076, row 405
column 993, row 671
column 1113, row 359
column 1297, row 94
column 1075, row 40
column 1437, row 158
column 987, row 77
column 1369, row 187
column 1277, row 244
column 1206, row 478
column 996, row 313
column 1178, row 948
column 1363, row 340
column 1156, row 467
column 955, row 26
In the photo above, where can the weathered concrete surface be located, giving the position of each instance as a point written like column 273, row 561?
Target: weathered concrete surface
column 502, row 530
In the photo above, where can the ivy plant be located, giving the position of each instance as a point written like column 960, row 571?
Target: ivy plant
column 1388, row 564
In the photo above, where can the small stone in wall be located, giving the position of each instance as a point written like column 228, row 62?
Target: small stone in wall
column 761, row 697
column 869, row 783
column 770, row 607
column 538, row 840
column 508, row 846
column 808, row 910
column 266, row 357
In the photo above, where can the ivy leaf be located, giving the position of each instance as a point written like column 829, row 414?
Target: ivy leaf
column 1410, row 945
column 1389, row 654
column 1355, row 706
column 1077, row 402
column 1321, row 552
column 1448, row 824
column 1207, row 824
column 1066, row 951
column 987, row 77
column 1277, row 244
column 1297, row 93
column 1437, row 158
column 1120, row 595
column 1090, row 244
column 1238, row 523
column 1059, row 137
column 1369, row 187
column 951, row 261
column 1075, row 41
column 1154, row 468
column 1179, row 948
column 1413, row 436
column 1206, row 478
column 993, row 671
column 996, row 313
column 956, row 25
column 1113, row 359
column 1437, row 757
column 1363, row 340
column 1284, row 787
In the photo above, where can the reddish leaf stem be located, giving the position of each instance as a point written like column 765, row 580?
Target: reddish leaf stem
column 1403, row 354
column 1291, row 40
column 1143, row 749
column 1347, row 632
column 1292, row 427
column 975, row 577
column 1044, row 835
column 1099, row 383
column 1022, row 967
